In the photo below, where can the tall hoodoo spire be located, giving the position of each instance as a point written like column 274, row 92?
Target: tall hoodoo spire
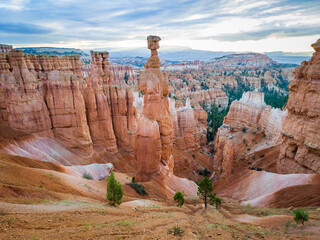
column 154, row 136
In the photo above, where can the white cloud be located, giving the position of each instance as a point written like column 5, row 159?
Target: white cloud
column 15, row 5
column 126, row 23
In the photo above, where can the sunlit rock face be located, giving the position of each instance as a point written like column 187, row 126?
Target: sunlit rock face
column 155, row 129
column 123, row 74
column 210, row 96
column 52, row 97
column 249, row 121
column 156, row 119
column 300, row 147
column 189, row 126
column 43, row 95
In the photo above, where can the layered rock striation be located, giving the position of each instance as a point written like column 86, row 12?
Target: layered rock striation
column 249, row 126
column 300, row 147
column 123, row 74
column 155, row 129
column 210, row 96
column 189, row 126
column 51, row 97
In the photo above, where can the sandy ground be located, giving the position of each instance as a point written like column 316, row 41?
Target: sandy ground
column 144, row 219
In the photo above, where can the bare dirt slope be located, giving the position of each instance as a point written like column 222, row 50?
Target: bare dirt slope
column 92, row 220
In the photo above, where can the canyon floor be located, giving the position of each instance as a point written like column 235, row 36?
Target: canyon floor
column 146, row 219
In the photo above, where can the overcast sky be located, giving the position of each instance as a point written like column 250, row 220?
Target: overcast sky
column 229, row 25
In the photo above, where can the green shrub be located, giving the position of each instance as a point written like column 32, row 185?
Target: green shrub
column 179, row 199
column 205, row 172
column 138, row 188
column 114, row 190
column 300, row 216
column 176, row 231
column 87, row 176
column 204, row 189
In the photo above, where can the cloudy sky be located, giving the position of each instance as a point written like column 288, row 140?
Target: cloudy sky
column 228, row 25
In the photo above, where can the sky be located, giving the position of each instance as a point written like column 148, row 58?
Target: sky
column 228, row 25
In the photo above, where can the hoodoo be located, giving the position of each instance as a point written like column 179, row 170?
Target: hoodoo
column 154, row 135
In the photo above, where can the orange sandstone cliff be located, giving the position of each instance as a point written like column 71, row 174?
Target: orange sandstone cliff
column 250, row 128
column 61, row 111
column 300, row 147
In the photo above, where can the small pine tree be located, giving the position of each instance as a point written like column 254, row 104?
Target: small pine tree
column 204, row 189
column 179, row 199
column 114, row 190
column 300, row 216
column 213, row 200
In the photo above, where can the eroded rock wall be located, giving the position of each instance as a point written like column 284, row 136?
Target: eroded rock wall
column 300, row 147
column 50, row 96
column 250, row 126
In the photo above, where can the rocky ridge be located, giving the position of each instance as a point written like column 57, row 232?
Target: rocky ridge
column 49, row 96
column 249, row 126
column 300, row 147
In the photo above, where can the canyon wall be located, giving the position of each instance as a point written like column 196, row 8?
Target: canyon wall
column 50, row 97
column 300, row 147
column 210, row 96
column 123, row 74
column 249, row 126
column 190, row 126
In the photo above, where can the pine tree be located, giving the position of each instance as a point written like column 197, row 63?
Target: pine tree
column 179, row 199
column 213, row 200
column 300, row 216
column 204, row 189
column 114, row 190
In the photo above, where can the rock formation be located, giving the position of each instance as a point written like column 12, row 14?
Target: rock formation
column 155, row 133
column 155, row 125
column 51, row 97
column 97, row 102
column 5, row 48
column 300, row 147
column 189, row 126
column 245, row 59
column 210, row 96
column 249, row 126
column 123, row 74
column 43, row 95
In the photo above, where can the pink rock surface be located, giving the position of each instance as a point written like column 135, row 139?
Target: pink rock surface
column 96, row 170
column 248, row 188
